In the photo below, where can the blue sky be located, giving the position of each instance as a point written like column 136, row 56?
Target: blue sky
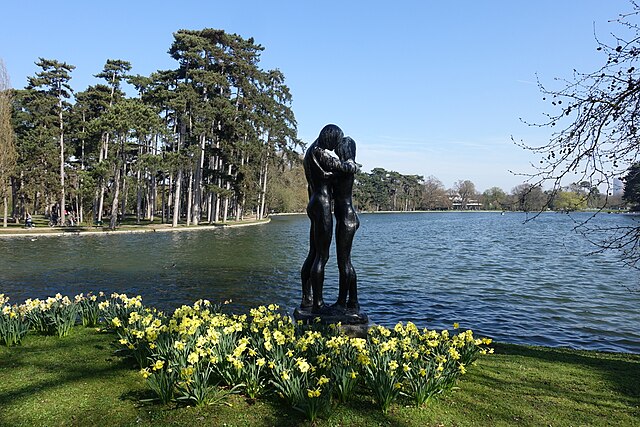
column 424, row 87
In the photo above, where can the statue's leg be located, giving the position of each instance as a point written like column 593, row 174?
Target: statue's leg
column 348, row 277
column 353, row 289
column 343, row 246
column 305, row 273
column 322, row 240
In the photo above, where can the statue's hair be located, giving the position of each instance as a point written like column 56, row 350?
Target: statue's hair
column 330, row 136
column 346, row 150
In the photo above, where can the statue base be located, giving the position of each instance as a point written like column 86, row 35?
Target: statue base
column 353, row 323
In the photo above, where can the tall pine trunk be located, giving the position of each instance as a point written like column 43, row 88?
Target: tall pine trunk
column 5, row 201
column 176, row 203
column 189, row 195
column 153, row 196
column 263, row 190
column 125, row 187
column 138, row 195
column 197, row 199
column 227, row 186
column 209, row 206
column 62, row 192
column 104, row 151
column 116, row 195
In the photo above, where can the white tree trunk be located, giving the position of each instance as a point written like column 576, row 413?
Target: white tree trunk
column 114, row 203
column 5, row 201
column 153, row 194
column 263, row 193
column 189, row 196
column 176, row 204
column 197, row 202
column 209, row 207
column 62, row 192
column 226, row 198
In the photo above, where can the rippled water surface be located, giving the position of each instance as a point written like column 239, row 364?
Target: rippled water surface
column 518, row 282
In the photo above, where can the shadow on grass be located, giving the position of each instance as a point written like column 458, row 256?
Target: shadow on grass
column 621, row 371
column 48, row 362
column 526, row 385
column 272, row 411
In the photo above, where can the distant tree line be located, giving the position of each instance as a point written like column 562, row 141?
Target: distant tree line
column 382, row 190
column 199, row 142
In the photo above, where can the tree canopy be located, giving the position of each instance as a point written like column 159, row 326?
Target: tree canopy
column 7, row 141
column 197, row 141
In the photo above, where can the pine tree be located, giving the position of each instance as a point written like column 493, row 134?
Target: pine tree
column 8, row 153
column 53, row 83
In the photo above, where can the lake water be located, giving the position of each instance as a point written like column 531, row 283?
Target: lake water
column 515, row 281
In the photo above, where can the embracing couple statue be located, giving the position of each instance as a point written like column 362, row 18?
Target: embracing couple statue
column 330, row 181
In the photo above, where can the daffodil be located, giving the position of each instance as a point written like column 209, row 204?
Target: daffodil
column 193, row 358
column 313, row 393
column 322, row 380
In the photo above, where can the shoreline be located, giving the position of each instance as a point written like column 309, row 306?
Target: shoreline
column 127, row 229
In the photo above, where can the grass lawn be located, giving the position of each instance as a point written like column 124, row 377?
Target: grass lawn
column 78, row 381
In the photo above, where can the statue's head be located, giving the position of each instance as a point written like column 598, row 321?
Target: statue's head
column 330, row 136
column 346, row 150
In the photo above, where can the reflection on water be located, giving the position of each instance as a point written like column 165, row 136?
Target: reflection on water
column 518, row 282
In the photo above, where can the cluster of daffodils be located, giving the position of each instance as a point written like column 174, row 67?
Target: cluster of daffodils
column 417, row 363
column 199, row 349
column 54, row 315
column 14, row 323
column 199, row 354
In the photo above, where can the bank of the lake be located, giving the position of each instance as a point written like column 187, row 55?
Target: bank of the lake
column 79, row 381
column 18, row 230
column 518, row 281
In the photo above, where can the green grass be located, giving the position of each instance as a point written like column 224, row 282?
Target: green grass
column 78, row 381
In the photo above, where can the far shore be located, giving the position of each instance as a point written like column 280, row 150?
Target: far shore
column 19, row 230
column 471, row 211
column 42, row 231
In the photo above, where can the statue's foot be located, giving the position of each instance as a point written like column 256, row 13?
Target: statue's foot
column 337, row 309
column 353, row 306
column 319, row 308
column 306, row 303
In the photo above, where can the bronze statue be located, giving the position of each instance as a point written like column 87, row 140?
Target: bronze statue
column 330, row 181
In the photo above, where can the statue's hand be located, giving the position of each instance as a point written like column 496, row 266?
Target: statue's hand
column 327, row 164
column 350, row 167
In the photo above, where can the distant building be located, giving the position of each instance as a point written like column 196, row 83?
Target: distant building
column 471, row 205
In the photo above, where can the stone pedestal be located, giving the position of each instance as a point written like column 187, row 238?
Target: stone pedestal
column 353, row 323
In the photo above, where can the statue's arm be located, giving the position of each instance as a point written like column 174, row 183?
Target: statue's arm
column 326, row 163
column 329, row 164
